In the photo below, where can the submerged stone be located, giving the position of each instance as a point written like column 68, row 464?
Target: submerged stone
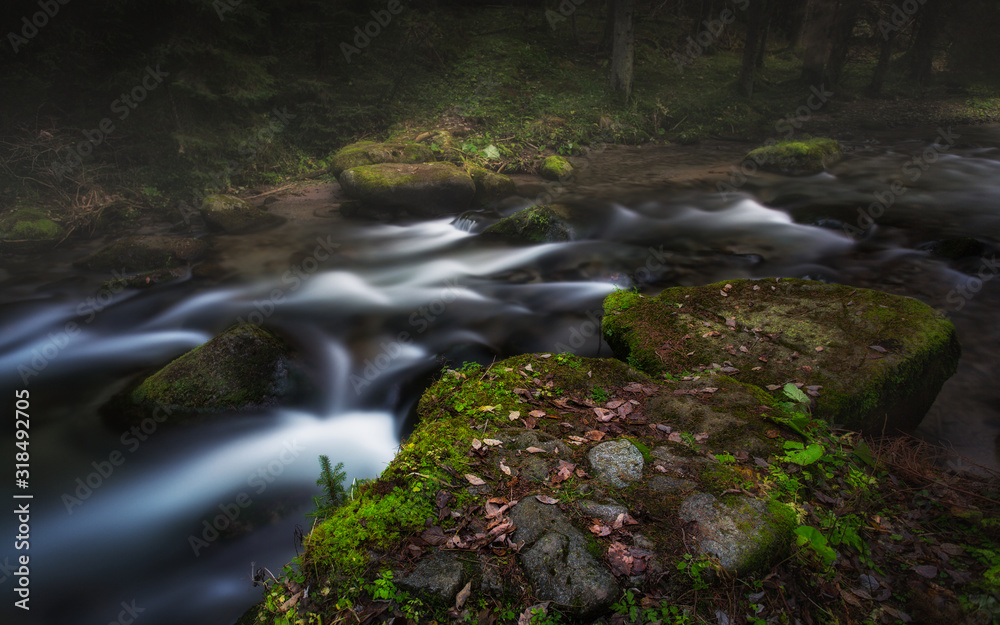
column 870, row 359
column 145, row 253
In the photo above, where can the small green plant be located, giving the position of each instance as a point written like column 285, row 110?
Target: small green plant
column 382, row 588
column 627, row 607
column 599, row 395
column 543, row 616
column 332, row 481
column 808, row 536
column 696, row 569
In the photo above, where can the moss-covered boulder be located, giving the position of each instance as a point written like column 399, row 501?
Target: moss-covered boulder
column 372, row 153
column 244, row 368
column 500, row 454
column 555, row 168
column 424, row 190
column 145, row 253
column 870, row 359
column 228, row 213
column 490, row 186
column 808, row 156
column 28, row 229
column 536, row 224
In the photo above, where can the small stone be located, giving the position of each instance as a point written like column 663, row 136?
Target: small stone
column 616, row 463
column 606, row 512
column 439, row 575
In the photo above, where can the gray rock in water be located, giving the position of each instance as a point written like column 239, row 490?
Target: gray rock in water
column 745, row 534
column 606, row 512
column 144, row 253
column 556, row 560
column 616, row 463
column 439, row 575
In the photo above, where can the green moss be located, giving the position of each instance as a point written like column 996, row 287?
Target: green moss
column 535, row 224
column 490, row 186
column 232, row 214
column 780, row 325
column 243, row 367
column 800, row 157
column 555, row 168
column 29, row 225
column 371, row 153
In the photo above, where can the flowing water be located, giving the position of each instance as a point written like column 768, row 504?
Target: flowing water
column 119, row 516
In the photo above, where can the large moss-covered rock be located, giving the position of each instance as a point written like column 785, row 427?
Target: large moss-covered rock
column 873, row 359
column 28, row 229
column 243, row 368
column 232, row 214
column 372, row 153
column 808, row 156
column 490, row 186
column 555, row 168
column 535, row 224
column 145, row 253
column 425, row 190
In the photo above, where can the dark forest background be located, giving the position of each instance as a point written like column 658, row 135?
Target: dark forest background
column 260, row 91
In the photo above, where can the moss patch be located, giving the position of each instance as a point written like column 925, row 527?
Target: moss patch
column 490, row 186
column 243, row 368
column 372, row 153
column 808, row 156
column 876, row 357
column 427, row 189
column 29, row 225
column 232, row 214
column 535, row 224
column 554, row 168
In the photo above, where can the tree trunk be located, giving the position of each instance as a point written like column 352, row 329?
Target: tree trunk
column 704, row 13
column 623, row 48
column 754, row 39
column 816, row 36
column 922, row 52
column 882, row 68
column 843, row 29
column 762, row 46
column 609, row 28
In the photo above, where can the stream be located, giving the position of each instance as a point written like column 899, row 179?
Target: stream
column 119, row 516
